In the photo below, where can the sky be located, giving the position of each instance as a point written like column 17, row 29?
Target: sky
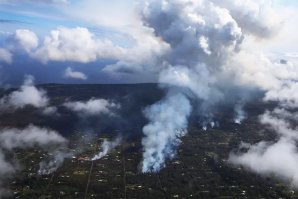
column 114, row 26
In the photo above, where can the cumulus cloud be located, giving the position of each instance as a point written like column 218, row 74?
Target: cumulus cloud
column 50, row 110
column 29, row 137
column 92, row 107
column 279, row 159
column 256, row 17
column 26, row 39
column 273, row 158
column 81, row 45
column 286, row 94
column 27, row 94
column 69, row 73
column 75, row 44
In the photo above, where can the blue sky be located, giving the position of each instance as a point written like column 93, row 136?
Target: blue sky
column 290, row 2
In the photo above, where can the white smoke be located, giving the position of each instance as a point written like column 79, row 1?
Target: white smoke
column 255, row 17
column 168, row 122
column 279, row 159
column 199, row 49
column 203, row 37
column 182, row 28
column 54, row 161
column 27, row 138
column 106, row 146
column 240, row 114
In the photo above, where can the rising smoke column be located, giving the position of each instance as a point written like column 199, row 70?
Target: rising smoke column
column 203, row 36
column 168, row 122
column 106, row 147
column 240, row 114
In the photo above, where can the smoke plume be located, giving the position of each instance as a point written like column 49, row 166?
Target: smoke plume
column 54, row 160
column 168, row 122
column 27, row 138
column 203, row 37
column 106, row 146
column 240, row 114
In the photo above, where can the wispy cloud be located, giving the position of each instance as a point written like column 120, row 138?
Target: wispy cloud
column 12, row 21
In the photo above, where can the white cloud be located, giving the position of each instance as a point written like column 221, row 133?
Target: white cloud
column 75, row 44
column 255, row 16
column 50, row 110
column 28, row 94
column 5, row 55
column 29, row 137
column 26, row 39
column 287, row 94
column 279, row 159
column 69, row 73
column 80, row 45
column 92, row 107
column 168, row 122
